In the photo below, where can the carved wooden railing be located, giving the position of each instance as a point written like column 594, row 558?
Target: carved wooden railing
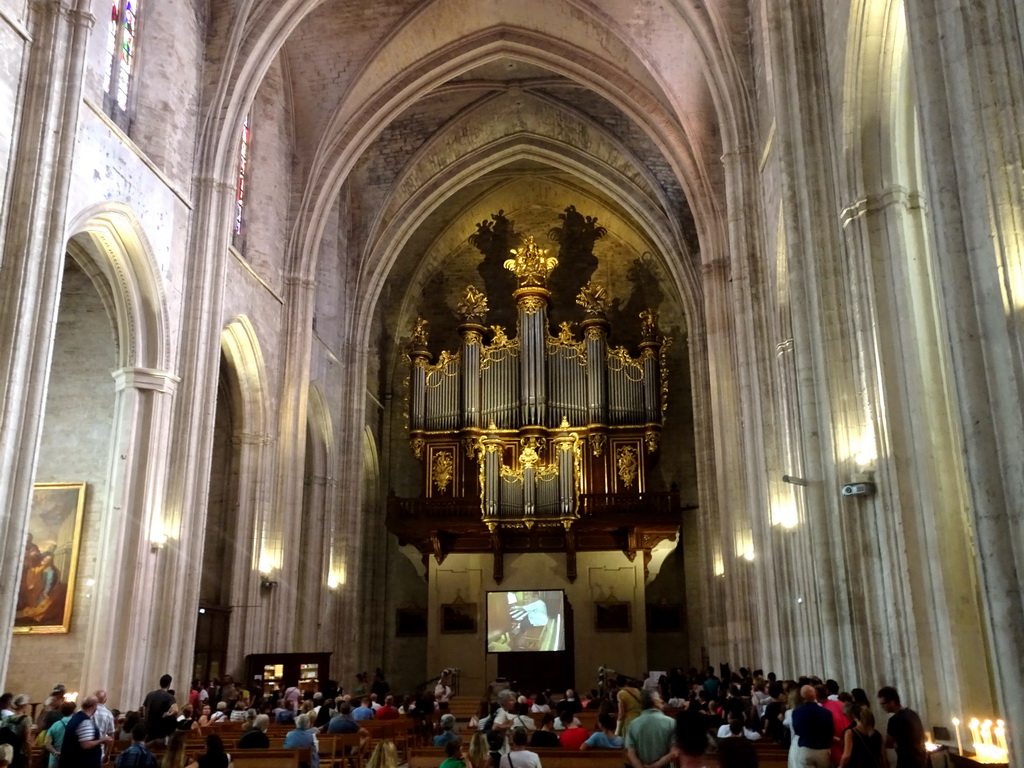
column 617, row 509
column 663, row 504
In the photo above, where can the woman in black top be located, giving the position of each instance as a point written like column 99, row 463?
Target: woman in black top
column 215, row 756
column 862, row 744
column 545, row 736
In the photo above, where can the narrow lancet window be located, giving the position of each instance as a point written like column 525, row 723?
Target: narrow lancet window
column 121, row 40
column 243, row 167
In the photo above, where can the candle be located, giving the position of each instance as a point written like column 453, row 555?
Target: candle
column 974, row 725
column 986, row 733
column 1001, row 736
column 959, row 744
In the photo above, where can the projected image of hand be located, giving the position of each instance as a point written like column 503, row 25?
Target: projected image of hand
column 530, row 620
column 535, row 610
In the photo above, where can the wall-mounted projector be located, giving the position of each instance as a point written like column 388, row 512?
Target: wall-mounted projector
column 858, row 489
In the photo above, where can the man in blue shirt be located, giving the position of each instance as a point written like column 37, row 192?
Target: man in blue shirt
column 302, row 738
column 363, row 711
column 344, row 723
column 605, row 738
column 447, row 731
column 137, row 756
column 814, row 729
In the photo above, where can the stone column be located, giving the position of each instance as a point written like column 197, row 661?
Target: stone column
column 286, row 520
column 970, row 85
column 32, row 263
column 131, row 539
column 172, row 633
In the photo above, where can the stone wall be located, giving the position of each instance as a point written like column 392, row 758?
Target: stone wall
column 75, row 447
column 603, row 576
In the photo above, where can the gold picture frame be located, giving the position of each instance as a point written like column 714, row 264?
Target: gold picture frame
column 46, row 588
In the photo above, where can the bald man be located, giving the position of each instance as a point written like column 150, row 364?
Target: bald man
column 814, row 729
column 103, row 718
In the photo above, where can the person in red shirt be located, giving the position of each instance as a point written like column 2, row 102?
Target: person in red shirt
column 388, row 711
column 839, row 721
column 572, row 737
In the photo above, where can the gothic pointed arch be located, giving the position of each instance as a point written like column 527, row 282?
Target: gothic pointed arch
column 109, row 243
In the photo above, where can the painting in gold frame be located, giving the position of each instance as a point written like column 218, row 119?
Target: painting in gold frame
column 47, row 585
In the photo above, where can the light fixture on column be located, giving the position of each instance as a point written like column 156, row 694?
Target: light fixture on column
column 157, row 542
column 266, row 567
column 335, row 578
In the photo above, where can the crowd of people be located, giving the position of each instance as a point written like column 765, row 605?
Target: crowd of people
column 675, row 720
column 681, row 717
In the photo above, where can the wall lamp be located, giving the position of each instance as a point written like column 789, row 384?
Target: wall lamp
column 158, row 542
column 267, row 583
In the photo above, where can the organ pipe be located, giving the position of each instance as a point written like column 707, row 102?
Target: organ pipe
column 542, row 397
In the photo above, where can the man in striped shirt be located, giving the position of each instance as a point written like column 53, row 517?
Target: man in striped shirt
column 83, row 744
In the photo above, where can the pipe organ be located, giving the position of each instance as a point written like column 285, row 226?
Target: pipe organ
column 533, row 431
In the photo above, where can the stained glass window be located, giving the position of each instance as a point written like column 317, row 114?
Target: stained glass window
column 243, row 166
column 121, row 49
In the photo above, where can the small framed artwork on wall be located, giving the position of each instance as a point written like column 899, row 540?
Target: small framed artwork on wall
column 458, row 618
column 411, row 622
column 613, row 617
column 665, row 617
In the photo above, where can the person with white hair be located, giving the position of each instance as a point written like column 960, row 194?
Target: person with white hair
column 256, row 737
column 302, row 737
column 508, row 710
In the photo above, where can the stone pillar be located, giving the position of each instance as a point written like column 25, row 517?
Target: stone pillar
column 829, row 389
column 286, row 521
column 32, row 263
column 728, row 642
column 131, row 539
column 965, row 60
column 172, row 634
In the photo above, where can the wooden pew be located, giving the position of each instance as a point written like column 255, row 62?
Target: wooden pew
column 432, row 757
column 269, row 758
column 340, row 749
column 463, row 707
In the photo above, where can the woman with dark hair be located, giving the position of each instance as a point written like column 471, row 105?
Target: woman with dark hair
column 215, row 756
column 540, row 705
column 860, row 697
column 545, row 736
column 691, row 737
column 862, row 744
column 735, row 751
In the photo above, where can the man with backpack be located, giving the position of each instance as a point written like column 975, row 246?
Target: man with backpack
column 16, row 731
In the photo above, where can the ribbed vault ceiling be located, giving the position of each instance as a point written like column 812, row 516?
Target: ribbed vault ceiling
column 427, row 116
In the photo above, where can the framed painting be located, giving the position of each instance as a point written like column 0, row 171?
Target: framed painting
column 411, row 622
column 47, row 587
column 613, row 617
column 458, row 618
column 665, row 617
